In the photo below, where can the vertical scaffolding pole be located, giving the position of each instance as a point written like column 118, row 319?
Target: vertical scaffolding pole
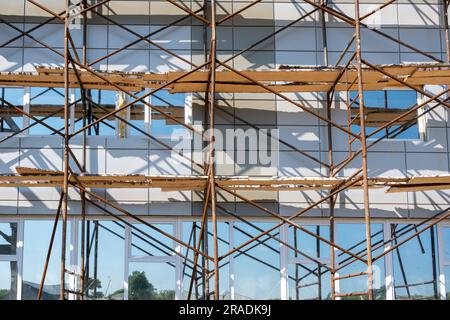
column 204, row 232
column 212, row 147
column 330, row 157
column 26, row 108
column 66, row 150
column 332, row 199
column 82, row 193
column 319, row 268
column 94, row 280
column 364, row 152
column 296, row 284
column 447, row 36
column 324, row 33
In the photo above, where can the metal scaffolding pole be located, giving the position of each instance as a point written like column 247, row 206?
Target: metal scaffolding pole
column 364, row 152
column 65, row 189
column 212, row 151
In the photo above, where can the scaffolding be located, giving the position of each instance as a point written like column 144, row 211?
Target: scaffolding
column 351, row 72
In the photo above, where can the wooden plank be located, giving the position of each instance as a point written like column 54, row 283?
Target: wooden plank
column 412, row 188
column 304, row 80
column 34, row 171
column 430, row 179
column 33, row 177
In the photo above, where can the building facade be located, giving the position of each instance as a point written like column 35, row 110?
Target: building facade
column 306, row 240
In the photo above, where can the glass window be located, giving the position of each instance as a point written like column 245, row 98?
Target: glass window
column 154, row 243
column 161, row 127
column 105, row 250
column 191, row 231
column 446, row 234
column 151, row 281
column 107, row 100
column 257, row 266
column 415, row 264
column 10, row 120
column 8, row 280
column 8, row 238
column 43, row 103
column 172, row 104
column 446, row 259
column 447, row 282
column 308, row 281
column 383, row 106
column 351, row 236
column 36, row 240
column 308, row 244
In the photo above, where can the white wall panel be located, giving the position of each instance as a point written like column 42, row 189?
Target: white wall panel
column 178, row 37
column 119, row 37
column 289, row 208
column 161, row 61
column 436, row 142
column 424, row 15
column 294, row 38
column 302, row 137
column 34, row 57
column 291, row 163
column 162, row 163
column 50, row 34
column 289, row 11
column 11, row 59
column 427, row 163
column 8, row 161
column 129, row 61
column 8, row 33
column 427, row 40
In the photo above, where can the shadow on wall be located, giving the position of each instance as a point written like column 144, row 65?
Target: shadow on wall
column 232, row 209
column 295, row 46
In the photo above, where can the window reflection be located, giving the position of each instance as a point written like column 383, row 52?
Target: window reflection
column 105, row 252
column 308, row 277
column 107, row 100
column 154, row 243
column 382, row 106
column 446, row 234
column 309, row 281
column 161, row 127
column 151, row 281
column 8, row 280
column 191, row 230
column 8, row 238
column 44, row 105
column 447, row 282
column 351, row 236
column 10, row 121
column 36, row 240
column 257, row 266
column 415, row 266
column 308, row 244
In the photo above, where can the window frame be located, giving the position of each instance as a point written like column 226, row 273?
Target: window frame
column 419, row 122
column 443, row 262
column 174, row 258
column 18, row 257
